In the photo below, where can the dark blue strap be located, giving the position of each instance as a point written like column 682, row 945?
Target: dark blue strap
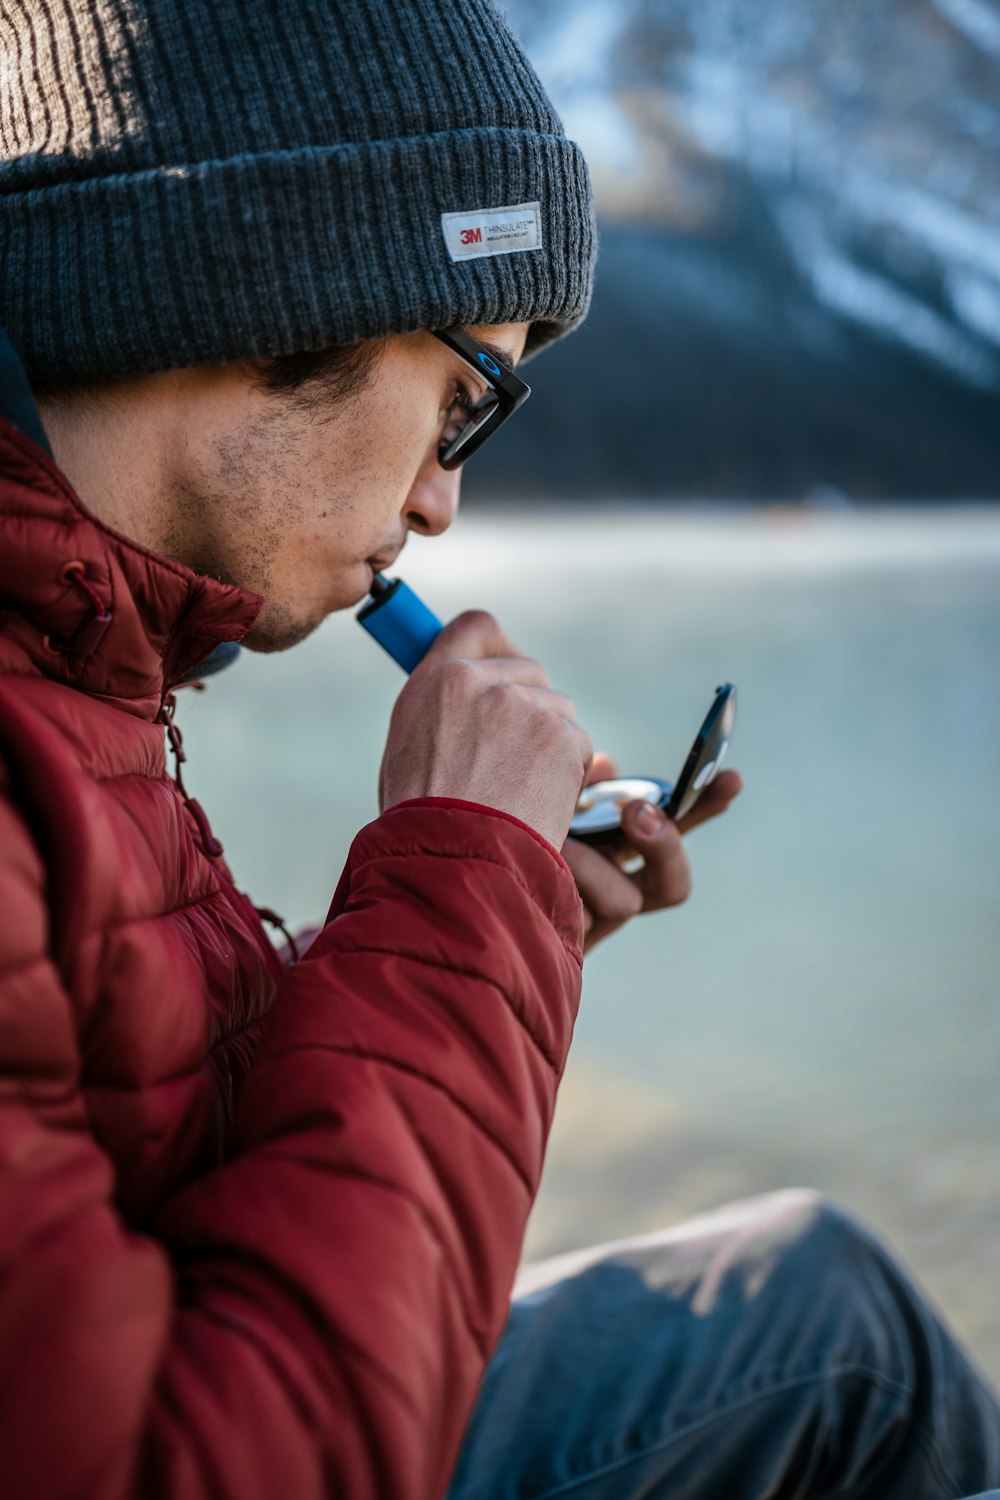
column 16, row 401
column 217, row 661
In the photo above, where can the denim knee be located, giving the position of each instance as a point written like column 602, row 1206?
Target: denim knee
column 825, row 1255
column 768, row 1329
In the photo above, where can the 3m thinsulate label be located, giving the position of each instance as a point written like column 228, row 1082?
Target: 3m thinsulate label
column 493, row 231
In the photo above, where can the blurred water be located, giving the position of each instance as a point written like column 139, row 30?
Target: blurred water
column 826, row 1008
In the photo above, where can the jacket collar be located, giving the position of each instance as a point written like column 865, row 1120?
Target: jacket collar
column 88, row 606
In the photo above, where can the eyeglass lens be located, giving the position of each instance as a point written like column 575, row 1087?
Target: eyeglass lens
column 474, row 421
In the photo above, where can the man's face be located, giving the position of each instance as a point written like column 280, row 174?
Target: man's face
column 299, row 499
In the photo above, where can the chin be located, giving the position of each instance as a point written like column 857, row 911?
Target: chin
column 277, row 629
column 280, row 626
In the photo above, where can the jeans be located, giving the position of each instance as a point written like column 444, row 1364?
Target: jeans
column 773, row 1348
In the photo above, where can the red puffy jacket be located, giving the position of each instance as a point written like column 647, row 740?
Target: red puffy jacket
column 260, row 1259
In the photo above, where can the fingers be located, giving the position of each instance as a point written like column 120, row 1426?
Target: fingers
column 520, row 669
column 480, row 722
column 714, row 800
column 524, row 675
column 611, row 895
column 665, row 878
column 557, row 703
column 610, row 899
column 602, row 768
column 474, row 634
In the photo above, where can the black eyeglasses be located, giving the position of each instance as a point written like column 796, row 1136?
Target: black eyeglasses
column 504, row 393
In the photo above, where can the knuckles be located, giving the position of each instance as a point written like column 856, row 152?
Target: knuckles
column 544, row 680
column 459, row 677
column 512, row 708
column 461, row 721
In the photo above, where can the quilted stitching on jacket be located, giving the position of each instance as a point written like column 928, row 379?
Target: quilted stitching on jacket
column 257, row 1231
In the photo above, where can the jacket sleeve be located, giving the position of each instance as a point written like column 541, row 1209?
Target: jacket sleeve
column 312, row 1319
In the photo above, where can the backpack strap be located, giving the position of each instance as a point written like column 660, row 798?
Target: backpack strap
column 16, row 401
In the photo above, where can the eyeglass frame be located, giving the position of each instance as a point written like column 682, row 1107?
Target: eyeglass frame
column 510, row 390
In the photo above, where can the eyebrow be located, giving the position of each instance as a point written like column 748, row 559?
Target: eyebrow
column 499, row 353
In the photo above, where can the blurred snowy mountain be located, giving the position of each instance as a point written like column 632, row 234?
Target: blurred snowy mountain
column 799, row 283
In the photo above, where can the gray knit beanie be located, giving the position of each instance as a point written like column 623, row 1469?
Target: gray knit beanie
column 192, row 181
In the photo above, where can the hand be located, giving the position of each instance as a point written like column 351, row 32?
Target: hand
column 479, row 721
column 611, row 896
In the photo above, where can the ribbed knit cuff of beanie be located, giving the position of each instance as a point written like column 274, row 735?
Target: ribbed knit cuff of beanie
column 192, row 181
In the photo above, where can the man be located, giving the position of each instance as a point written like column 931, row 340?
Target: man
column 259, row 1229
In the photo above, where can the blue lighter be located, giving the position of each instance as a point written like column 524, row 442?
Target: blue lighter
column 399, row 621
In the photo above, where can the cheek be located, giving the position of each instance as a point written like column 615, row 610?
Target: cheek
column 372, row 480
column 403, row 426
column 347, row 507
column 345, row 483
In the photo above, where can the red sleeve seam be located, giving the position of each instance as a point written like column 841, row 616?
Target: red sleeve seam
column 272, row 1152
column 467, row 973
column 552, row 917
column 384, row 1059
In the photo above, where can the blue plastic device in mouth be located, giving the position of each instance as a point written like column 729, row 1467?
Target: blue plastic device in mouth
column 400, row 621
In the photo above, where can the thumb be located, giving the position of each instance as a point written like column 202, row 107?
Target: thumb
column 644, row 823
column 665, row 877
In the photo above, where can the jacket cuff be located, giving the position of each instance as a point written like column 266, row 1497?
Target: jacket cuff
column 491, row 812
column 450, row 826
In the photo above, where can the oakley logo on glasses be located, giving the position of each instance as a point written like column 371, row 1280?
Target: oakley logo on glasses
column 505, row 394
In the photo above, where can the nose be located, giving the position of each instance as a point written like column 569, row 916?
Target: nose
column 432, row 504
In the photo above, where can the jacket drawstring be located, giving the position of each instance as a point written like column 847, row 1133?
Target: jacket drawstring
column 267, row 915
column 87, row 635
column 209, row 843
